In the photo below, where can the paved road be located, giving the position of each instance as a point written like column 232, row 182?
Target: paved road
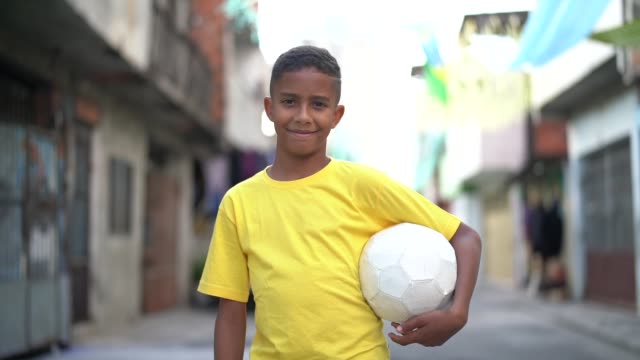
column 501, row 326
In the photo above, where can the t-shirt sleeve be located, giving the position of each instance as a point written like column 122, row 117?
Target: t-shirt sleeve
column 396, row 203
column 225, row 272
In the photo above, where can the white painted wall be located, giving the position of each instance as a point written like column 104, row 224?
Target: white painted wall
column 473, row 151
column 574, row 247
column 124, row 24
column 505, row 148
column 116, row 261
column 520, row 246
column 463, row 146
column 602, row 124
column 635, row 171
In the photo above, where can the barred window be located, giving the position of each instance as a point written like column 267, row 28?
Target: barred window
column 120, row 194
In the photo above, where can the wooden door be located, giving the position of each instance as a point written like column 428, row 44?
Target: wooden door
column 160, row 244
column 79, row 226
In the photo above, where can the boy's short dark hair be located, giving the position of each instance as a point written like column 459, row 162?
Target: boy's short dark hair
column 307, row 56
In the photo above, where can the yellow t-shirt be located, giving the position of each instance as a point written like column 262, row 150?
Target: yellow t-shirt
column 297, row 245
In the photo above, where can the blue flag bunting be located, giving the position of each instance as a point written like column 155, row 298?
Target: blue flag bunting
column 554, row 27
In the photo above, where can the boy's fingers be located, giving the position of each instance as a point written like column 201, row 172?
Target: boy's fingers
column 403, row 339
column 397, row 327
column 410, row 325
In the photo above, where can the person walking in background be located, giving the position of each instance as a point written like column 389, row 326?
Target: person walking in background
column 534, row 214
column 551, row 247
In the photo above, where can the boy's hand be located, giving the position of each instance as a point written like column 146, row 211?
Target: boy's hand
column 432, row 328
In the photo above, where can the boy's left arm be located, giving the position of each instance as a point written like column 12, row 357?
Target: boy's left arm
column 434, row 328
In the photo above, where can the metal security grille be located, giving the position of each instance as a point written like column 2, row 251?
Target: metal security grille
column 41, row 207
column 30, row 219
column 607, row 201
column 607, row 218
column 14, row 110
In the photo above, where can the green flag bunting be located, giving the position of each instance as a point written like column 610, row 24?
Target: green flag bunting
column 627, row 35
column 436, row 82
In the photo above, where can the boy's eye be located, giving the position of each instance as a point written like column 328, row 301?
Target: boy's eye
column 287, row 101
column 319, row 104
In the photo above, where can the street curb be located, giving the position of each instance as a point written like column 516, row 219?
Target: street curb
column 594, row 331
column 567, row 314
column 610, row 325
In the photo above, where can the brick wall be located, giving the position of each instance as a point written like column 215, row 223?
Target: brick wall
column 208, row 24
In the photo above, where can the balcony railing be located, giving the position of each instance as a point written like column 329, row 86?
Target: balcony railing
column 176, row 63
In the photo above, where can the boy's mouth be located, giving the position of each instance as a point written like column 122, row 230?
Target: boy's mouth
column 301, row 133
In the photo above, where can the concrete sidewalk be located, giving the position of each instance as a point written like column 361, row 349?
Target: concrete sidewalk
column 176, row 334
column 614, row 325
column 178, row 327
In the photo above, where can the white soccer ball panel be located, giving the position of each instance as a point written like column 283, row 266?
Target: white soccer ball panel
column 382, row 252
column 423, row 296
column 393, row 281
column 447, row 276
column 368, row 278
column 420, row 262
column 389, row 308
column 446, row 251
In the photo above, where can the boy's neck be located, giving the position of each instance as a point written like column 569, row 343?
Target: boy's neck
column 288, row 168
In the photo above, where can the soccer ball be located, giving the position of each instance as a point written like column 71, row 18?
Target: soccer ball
column 406, row 270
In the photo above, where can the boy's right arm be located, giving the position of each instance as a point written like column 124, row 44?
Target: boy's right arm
column 230, row 331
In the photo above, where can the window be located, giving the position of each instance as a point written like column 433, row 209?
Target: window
column 120, row 194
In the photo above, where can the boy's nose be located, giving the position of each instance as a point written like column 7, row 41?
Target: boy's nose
column 304, row 115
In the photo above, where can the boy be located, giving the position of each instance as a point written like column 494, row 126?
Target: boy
column 294, row 232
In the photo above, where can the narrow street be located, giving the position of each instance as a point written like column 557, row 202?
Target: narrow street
column 502, row 325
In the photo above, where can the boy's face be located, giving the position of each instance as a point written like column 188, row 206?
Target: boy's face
column 304, row 110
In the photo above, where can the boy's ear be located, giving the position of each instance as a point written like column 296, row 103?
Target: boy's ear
column 338, row 116
column 267, row 107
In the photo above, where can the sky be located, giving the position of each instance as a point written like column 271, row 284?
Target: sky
column 283, row 24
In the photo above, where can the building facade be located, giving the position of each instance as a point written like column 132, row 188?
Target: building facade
column 105, row 107
column 591, row 87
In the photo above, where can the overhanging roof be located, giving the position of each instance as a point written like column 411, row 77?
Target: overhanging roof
column 50, row 35
column 601, row 82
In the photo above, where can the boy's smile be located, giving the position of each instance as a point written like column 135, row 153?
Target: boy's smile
column 301, row 134
column 304, row 110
